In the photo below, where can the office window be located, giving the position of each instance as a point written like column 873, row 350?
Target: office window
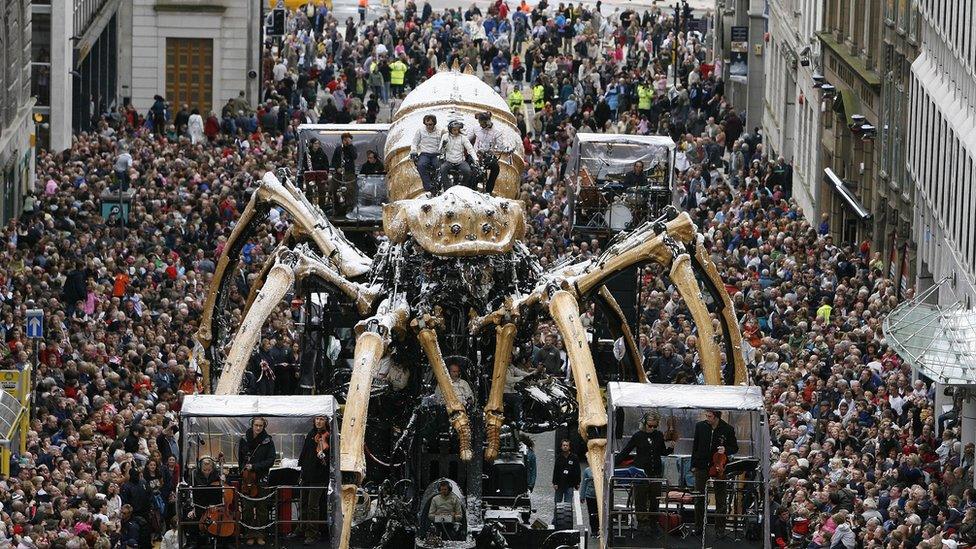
column 971, row 181
column 189, row 72
column 891, row 8
column 913, row 24
column 952, row 168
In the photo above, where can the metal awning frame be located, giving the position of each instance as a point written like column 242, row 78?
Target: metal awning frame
column 845, row 193
column 953, row 327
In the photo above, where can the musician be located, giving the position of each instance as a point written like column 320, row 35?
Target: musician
column 487, row 138
column 314, row 463
column 650, row 444
column 344, row 166
column 373, row 164
column 255, row 456
column 317, row 158
column 205, row 475
column 206, row 492
column 714, row 443
column 636, row 177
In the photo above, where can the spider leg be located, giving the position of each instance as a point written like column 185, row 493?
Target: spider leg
column 286, row 244
column 684, row 280
column 664, row 244
column 730, row 324
column 564, row 310
column 644, row 244
column 280, row 278
column 286, row 266
column 495, row 408
column 619, row 328
column 371, row 343
column 455, row 410
column 309, row 219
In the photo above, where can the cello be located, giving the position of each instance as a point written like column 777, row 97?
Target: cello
column 219, row 520
column 719, row 461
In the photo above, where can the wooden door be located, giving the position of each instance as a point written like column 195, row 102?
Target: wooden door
column 189, row 73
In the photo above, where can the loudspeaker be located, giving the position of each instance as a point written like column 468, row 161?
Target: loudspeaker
column 623, row 286
column 507, row 477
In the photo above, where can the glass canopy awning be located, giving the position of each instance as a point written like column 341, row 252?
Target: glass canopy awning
column 938, row 340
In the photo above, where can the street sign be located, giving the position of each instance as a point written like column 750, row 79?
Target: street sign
column 35, row 323
column 10, row 381
column 274, row 23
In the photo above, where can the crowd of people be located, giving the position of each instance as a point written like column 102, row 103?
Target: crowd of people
column 861, row 457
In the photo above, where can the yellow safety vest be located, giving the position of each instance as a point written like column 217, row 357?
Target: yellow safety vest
column 644, row 95
column 397, row 70
column 515, row 100
column 539, row 97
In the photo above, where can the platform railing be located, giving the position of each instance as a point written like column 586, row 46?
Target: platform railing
column 632, row 524
column 744, row 510
column 190, row 514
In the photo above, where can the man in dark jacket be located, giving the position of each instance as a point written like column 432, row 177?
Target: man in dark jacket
column 314, row 463
column 134, row 530
column 665, row 366
column 256, row 453
column 650, row 445
column 135, row 493
column 166, row 441
column 713, row 437
column 344, row 167
column 565, row 472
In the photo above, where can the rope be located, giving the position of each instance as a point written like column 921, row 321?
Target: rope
column 262, row 498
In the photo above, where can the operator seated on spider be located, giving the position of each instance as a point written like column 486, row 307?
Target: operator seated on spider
column 456, row 149
column 424, row 151
column 444, row 513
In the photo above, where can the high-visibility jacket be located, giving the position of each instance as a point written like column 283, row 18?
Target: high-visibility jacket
column 397, row 70
column 538, row 97
column 644, row 95
column 515, row 100
column 363, row 3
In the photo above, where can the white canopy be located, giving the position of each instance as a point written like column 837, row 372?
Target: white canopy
column 661, row 140
column 717, row 397
column 255, row 405
column 351, row 128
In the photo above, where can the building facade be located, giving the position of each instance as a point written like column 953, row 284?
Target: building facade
column 75, row 62
column 16, row 102
column 194, row 52
column 740, row 28
column 792, row 99
column 895, row 198
column 850, row 43
column 941, row 147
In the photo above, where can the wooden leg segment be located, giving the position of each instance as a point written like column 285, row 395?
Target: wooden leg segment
column 592, row 411
column 455, row 410
column 684, row 279
column 279, row 280
column 370, row 347
column 728, row 312
column 494, row 410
